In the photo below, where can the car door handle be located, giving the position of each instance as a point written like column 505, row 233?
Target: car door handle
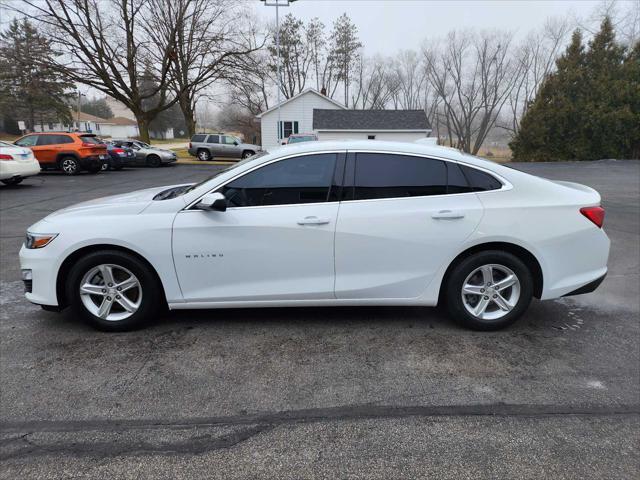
column 447, row 215
column 313, row 221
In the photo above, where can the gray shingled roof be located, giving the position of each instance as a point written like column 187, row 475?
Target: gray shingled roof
column 369, row 120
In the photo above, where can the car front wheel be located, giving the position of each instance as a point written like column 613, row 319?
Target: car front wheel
column 12, row 181
column 488, row 290
column 113, row 290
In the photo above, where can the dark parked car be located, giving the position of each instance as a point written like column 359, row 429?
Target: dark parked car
column 119, row 157
column 207, row 147
column 145, row 154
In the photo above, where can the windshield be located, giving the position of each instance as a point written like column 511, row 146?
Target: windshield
column 306, row 138
column 181, row 190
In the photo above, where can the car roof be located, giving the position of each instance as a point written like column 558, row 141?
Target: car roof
column 439, row 151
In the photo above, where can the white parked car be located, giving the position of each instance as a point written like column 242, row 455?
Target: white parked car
column 325, row 223
column 16, row 163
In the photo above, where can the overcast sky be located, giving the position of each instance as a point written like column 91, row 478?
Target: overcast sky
column 386, row 26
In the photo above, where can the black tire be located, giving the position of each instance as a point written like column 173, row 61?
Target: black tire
column 69, row 165
column 151, row 297
column 12, row 181
column 461, row 271
column 94, row 169
column 153, row 161
column 247, row 154
column 203, row 155
column 105, row 166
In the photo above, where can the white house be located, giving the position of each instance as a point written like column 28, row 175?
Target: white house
column 82, row 122
column 394, row 125
column 312, row 112
column 296, row 116
column 122, row 127
column 121, row 111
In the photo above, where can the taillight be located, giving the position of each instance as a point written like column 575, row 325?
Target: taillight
column 4, row 156
column 189, row 144
column 89, row 145
column 119, row 151
column 595, row 214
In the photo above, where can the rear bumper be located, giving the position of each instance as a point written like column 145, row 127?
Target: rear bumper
column 93, row 162
column 588, row 288
column 13, row 169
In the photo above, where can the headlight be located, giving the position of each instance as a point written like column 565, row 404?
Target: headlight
column 39, row 240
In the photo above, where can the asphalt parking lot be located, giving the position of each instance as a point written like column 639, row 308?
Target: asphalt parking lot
column 323, row 393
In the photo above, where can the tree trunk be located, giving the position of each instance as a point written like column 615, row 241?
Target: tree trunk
column 143, row 128
column 189, row 115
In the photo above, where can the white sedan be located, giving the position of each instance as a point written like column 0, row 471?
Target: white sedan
column 325, row 223
column 16, row 163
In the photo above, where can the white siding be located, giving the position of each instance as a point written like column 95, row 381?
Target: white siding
column 297, row 110
column 398, row 136
column 120, row 131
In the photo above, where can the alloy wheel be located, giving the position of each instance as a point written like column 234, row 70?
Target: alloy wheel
column 111, row 292
column 69, row 166
column 490, row 292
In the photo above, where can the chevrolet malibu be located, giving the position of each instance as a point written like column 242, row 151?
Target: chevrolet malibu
column 325, row 224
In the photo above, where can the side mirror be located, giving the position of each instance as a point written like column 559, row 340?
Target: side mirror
column 235, row 142
column 213, row 201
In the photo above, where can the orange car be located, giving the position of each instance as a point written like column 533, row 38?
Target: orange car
column 66, row 151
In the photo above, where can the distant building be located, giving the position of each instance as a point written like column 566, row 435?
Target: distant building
column 312, row 112
column 121, row 111
column 83, row 122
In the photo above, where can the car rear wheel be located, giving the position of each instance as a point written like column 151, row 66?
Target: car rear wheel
column 12, row 181
column 247, row 154
column 153, row 161
column 113, row 290
column 204, row 155
column 488, row 290
column 69, row 165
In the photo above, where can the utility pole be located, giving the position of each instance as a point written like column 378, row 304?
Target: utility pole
column 278, row 4
column 78, row 111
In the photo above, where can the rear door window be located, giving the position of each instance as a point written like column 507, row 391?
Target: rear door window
column 198, row 138
column 383, row 175
column 213, row 139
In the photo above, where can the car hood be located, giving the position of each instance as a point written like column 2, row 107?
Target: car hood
column 127, row 203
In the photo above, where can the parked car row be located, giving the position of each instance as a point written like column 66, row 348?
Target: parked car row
column 73, row 152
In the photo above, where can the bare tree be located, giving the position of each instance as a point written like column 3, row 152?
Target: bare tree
column 106, row 46
column 209, row 44
column 473, row 76
column 371, row 84
column 251, row 85
column 410, row 77
column 535, row 59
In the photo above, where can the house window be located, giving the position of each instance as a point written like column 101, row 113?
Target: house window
column 50, row 126
column 286, row 129
column 371, row 137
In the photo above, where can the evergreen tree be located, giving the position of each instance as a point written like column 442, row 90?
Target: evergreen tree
column 589, row 108
column 550, row 128
column 29, row 90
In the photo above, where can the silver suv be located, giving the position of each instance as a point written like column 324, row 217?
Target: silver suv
column 208, row 146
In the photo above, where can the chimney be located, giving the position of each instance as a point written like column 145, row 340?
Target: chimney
column 323, row 91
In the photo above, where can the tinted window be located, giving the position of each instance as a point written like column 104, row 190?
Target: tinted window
column 213, row 139
column 198, row 138
column 304, row 179
column 88, row 139
column 480, row 181
column 28, row 141
column 380, row 175
column 456, row 181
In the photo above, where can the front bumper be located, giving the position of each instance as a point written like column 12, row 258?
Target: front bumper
column 44, row 270
column 169, row 159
